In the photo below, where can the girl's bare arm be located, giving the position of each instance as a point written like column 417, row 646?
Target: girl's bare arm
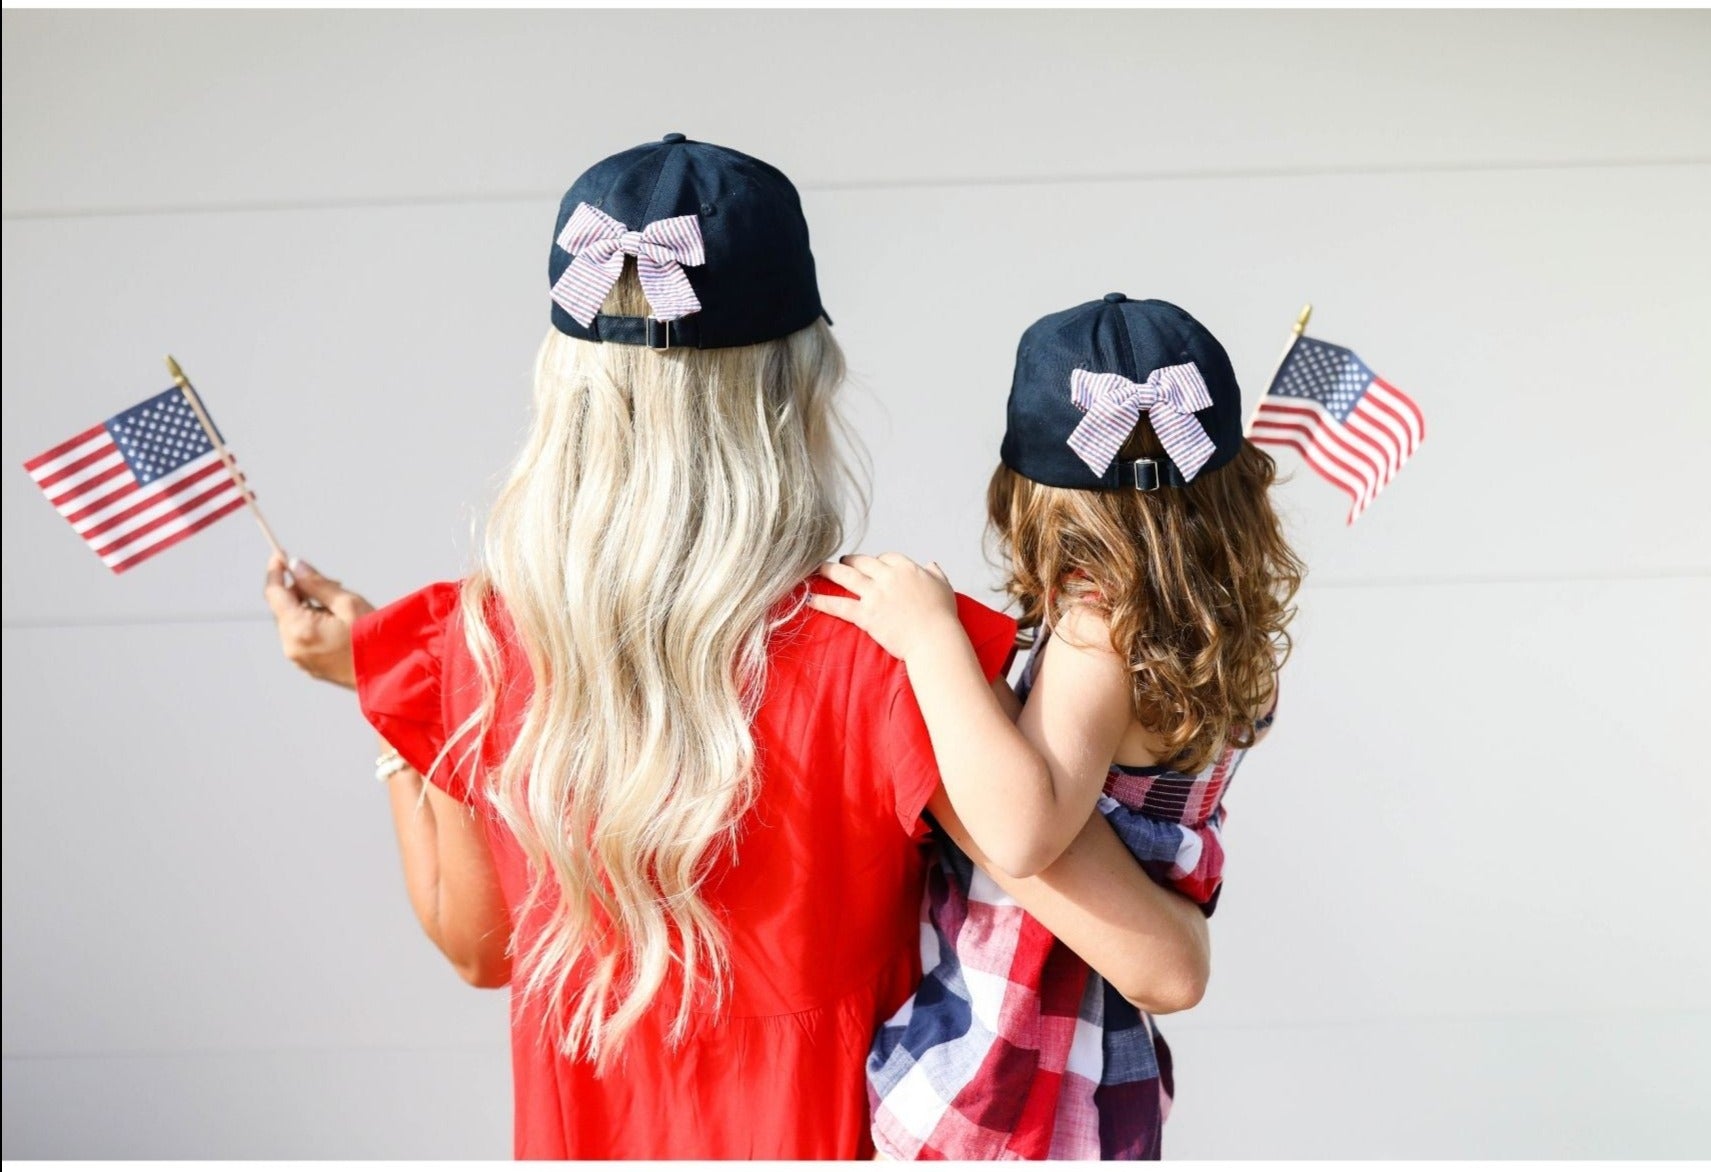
column 1022, row 799
column 1151, row 945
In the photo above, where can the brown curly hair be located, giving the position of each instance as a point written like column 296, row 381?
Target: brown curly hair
column 1196, row 584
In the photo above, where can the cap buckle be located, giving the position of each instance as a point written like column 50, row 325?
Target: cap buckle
column 1151, row 480
column 664, row 333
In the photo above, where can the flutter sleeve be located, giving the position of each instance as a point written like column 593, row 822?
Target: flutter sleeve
column 399, row 653
column 909, row 748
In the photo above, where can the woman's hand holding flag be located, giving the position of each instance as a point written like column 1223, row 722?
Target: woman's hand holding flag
column 315, row 615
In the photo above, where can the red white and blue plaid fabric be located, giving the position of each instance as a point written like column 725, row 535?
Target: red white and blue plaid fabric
column 1170, row 396
column 1012, row 1048
column 598, row 245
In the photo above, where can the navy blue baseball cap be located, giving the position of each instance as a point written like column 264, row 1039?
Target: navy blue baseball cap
column 1084, row 379
column 729, row 225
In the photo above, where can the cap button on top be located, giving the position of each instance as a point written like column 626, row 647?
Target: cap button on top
column 1115, row 298
column 674, row 137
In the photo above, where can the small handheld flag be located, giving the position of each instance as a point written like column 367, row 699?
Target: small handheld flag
column 1355, row 429
column 145, row 479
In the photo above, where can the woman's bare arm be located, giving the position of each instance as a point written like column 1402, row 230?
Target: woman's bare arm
column 1150, row 944
column 448, row 868
column 449, row 875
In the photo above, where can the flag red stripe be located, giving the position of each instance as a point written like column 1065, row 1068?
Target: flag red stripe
column 1409, row 406
column 1369, row 418
column 174, row 514
column 1311, row 452
column 93, row 484
column 47, row 482
column 1325, row 432
column 59, row 450
column 1358, row 447
column 153, row 496
column 188, row 530
column 1398, row 411
column 1406, row 408
column 1323, row 461
column 1356, row 450
column 86, row 507
column 71, row 493
column 1382, row 434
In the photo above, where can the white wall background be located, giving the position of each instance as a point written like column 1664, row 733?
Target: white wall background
column 1466, row 903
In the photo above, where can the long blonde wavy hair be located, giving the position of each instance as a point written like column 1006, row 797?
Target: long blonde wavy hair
column 1196, row 584
column 663, row 506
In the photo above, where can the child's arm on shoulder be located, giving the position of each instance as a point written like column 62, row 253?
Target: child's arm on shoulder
column 1012, row 797
column 1077, row 712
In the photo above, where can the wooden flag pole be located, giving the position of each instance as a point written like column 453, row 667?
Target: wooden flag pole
column 195, row 401
column 1294, row 336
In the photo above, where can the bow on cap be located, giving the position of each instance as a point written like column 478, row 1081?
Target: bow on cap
column 1170, row 396
column 599, row 244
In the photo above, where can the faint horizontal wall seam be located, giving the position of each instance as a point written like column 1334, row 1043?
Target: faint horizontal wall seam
column 1212, row 174
column 1182, row 1026
column 500, row 1041
column 1329, row 583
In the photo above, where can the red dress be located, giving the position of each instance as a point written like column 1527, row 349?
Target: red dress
column 822, row 908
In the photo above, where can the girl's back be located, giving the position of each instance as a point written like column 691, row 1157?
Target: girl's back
column 1140, row 544
column 1028, row 1052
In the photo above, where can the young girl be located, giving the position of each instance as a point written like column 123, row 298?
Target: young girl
column 1140, row 542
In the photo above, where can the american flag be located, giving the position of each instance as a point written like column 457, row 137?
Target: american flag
column 139, row 483
column 1355, row 429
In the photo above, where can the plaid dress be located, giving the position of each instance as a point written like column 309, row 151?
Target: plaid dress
column 1012, row 1048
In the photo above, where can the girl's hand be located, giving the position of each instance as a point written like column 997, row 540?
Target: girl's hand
column 315, row 616
column 906, row 608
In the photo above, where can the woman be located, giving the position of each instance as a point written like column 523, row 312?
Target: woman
column 675, row 808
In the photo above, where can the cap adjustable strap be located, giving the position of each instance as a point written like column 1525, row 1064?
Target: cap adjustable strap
column 1148, row 475
column 647, row 331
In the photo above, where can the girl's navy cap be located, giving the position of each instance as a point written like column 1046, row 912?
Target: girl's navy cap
column 1130, row 339
column 756, row 282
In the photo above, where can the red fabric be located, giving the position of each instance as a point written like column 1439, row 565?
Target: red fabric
column 822, row 907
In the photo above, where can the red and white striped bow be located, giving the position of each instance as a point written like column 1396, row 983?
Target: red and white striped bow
column 1170, row 396
column 598, row 245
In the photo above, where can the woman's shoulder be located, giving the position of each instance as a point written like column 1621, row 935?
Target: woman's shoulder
column 991, row 632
